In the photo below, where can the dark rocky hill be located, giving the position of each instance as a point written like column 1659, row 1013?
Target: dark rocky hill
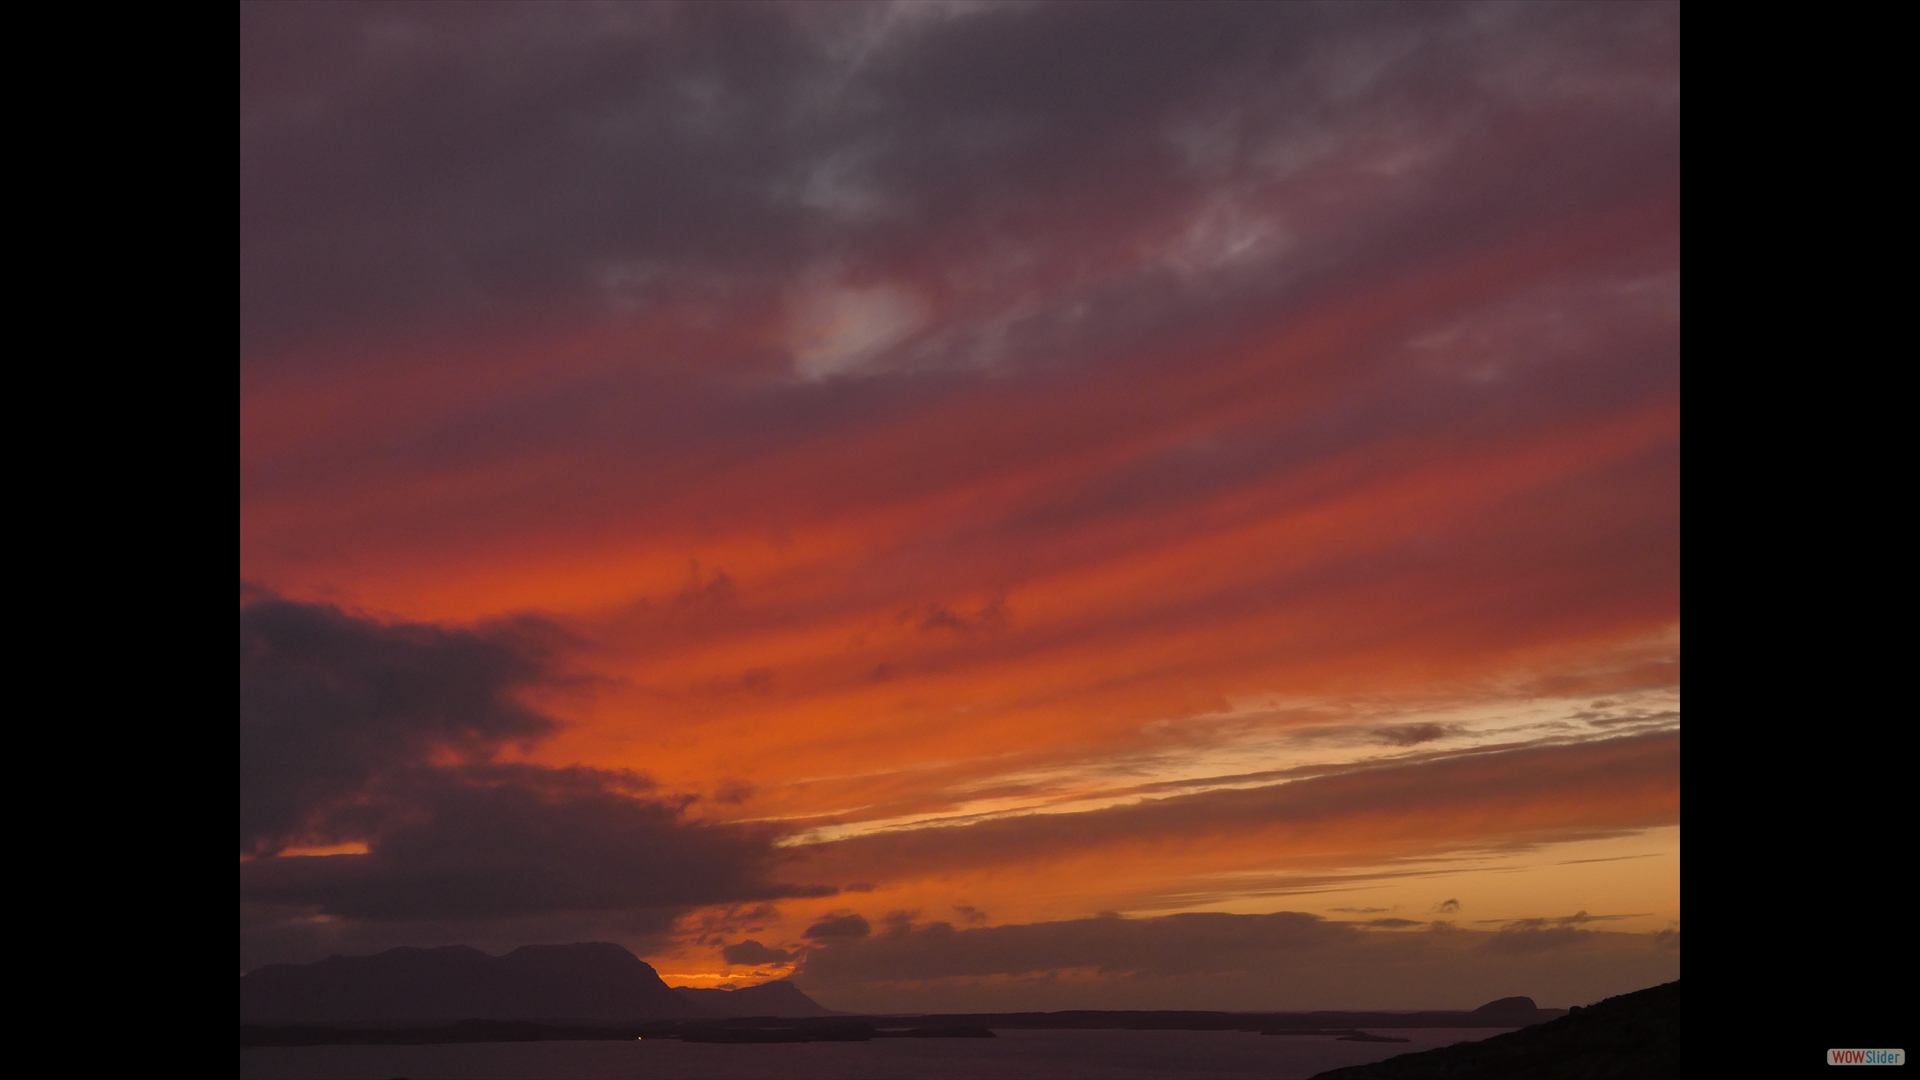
column 596, row 981
column 1631, row 1037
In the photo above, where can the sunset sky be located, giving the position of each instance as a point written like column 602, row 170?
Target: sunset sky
column 967, row 505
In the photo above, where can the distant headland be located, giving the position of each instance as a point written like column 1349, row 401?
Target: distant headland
column 595, row 981
column 1630, row 1037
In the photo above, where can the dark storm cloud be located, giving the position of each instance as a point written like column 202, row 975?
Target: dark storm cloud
column 330, row 702
column 752, row 952
column 354, row 729
column 403, row 157
column 406, row 161
column 511, row 841
column 844, row 927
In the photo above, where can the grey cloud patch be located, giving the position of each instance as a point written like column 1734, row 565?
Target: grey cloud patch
column 991, row 617
column 733, row 792
column 1542, row 935
column 511, row 153
column 1411, row 734
column 940, row 618
column 330, row 702
column 1609, row 713
column 754, row 953
column 1580, row 918
column 705, row 600
column 1196, row 942
column 401, row 161
column 844, row 927
column 713, row 926
column 1447, row 907
column 1531, row 939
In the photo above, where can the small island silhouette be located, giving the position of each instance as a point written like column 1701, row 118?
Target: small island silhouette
column 1630, row 1037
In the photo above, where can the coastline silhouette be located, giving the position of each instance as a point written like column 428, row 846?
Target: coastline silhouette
column 601, row 991
column 1628, row 1037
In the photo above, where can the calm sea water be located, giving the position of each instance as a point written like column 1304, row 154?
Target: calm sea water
column 1015, row 1055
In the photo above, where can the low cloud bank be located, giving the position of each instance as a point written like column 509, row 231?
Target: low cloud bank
column 1215, row 960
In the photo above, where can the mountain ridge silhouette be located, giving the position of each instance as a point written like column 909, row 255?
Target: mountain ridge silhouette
column 597, row 981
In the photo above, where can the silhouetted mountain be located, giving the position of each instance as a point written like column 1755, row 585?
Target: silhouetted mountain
column 596, row 981
column 1631, row 1037
column 1508, row 1006
column 779, row 998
